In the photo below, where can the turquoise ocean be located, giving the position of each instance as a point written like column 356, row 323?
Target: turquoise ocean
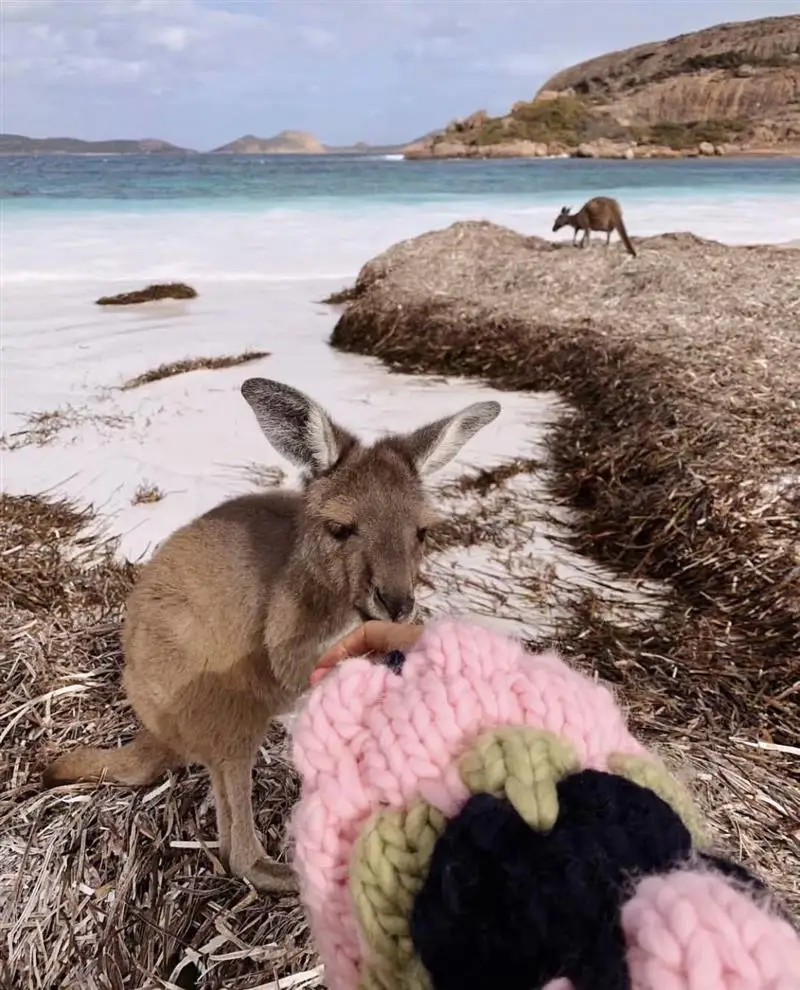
column 352, row 182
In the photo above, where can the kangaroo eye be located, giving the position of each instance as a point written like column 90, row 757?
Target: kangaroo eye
column 421, row 534
column 341, row 532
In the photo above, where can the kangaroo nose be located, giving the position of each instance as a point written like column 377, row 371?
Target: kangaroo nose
column 398, row 607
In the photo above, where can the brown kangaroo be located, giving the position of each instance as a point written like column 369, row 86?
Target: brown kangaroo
column 226, row 621
column 600, row 213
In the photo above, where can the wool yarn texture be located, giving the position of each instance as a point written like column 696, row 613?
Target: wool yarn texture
column 475, row 816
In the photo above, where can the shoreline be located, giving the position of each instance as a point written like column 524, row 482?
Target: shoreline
column 599, row 154
column 409, row 154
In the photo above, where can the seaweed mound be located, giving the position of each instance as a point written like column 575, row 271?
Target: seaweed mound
column 161, row 290
column 682, row 369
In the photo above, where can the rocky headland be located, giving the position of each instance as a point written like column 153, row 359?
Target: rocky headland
column 733, row 89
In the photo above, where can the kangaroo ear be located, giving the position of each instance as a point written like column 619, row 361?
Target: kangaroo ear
column 296, row 426
column 432, row 446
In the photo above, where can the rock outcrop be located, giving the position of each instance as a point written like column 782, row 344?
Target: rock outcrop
column 747, row 73
column 733, row 88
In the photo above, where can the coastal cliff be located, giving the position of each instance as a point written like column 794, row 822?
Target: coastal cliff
column 728, row 89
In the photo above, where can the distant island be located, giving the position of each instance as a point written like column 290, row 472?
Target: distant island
column 303, row 143
column 285, row 143
column 732, row 89
column 17, row 144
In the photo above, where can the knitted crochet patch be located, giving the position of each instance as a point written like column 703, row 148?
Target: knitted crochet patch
column 475, row 816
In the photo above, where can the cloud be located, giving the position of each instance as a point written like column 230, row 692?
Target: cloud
column 86, row 36
column 200, row 72
column 530, row 65
column 317, row 37
column 174, row 38
column 20, row 10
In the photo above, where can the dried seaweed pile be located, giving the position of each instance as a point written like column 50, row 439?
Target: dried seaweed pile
column 111, row 888
column 172, row 368
column 107, row 887
column 683, row 452
column 161, row 290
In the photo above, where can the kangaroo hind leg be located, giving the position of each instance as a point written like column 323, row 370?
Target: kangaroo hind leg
column 223, row 816
column 246, row 856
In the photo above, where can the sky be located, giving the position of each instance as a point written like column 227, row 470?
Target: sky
column 200, row 73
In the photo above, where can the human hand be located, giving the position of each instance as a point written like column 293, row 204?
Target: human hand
column 374, row 636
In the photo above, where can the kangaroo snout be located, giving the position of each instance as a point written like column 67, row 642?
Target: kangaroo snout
column 397, row 605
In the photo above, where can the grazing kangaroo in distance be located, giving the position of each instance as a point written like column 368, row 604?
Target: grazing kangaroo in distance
column 600, row 213
column 225, row 623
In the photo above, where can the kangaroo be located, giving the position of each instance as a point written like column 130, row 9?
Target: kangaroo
column 600, row 213
column 227, row 619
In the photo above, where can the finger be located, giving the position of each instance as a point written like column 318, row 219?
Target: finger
column 354, row 644
column 383, row 637
column 374, row 636
column 317, row 674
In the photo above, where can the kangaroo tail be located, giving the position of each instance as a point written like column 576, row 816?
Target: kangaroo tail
column 139, row 762
column 623, row 233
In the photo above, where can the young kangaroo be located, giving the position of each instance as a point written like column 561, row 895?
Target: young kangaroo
column 226, row 621
column 600, row 213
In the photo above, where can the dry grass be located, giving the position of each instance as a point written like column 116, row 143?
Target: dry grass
column 162, row 290
column 42, row 428
column 102, row 887
column 147, row 494
column 173, row 368
column 109, row 888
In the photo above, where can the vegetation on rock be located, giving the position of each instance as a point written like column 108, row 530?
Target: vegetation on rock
column 670, row 134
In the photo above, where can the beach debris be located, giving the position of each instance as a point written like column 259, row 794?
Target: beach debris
column 44, row 428
column 161, row 290
column 172, row 368
column 147, row 494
